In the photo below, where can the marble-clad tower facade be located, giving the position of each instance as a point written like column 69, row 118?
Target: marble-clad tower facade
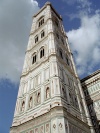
column 50, row 98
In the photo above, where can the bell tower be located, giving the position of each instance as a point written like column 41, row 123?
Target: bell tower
column 50, row 98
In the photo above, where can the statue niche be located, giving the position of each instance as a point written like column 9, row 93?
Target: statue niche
column 38, row 97
column 47, row 92
column 30, row 102
column 23, row 106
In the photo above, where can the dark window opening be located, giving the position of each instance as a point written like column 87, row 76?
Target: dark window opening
column 34, row 59
column 36, row 39
column 42, row 34
column 61, row 55
column 67, row 60
column 41, row 22
column 56, row 22
column 42, row 53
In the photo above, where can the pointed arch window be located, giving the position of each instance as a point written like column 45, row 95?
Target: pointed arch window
column 36, row 38
column 41, row 52
column 34, row 58
column 61, row 54
column 42, row 34
column 41, row 22
column 56, row 22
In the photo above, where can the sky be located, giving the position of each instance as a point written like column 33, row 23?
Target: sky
column 81, row 19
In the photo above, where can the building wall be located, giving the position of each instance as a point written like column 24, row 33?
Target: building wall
column 91, row 88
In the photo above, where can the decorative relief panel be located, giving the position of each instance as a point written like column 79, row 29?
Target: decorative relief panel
column 60, row 128
column 47, row 128
column 41, row 129
column 36, row 130
column 31, row 131
column 54, row 128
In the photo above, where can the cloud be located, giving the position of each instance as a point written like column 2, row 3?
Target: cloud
column 83, row 3
column 85, row 43
column 15, row 24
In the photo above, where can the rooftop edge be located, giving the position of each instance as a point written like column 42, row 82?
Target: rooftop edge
column 48, row 3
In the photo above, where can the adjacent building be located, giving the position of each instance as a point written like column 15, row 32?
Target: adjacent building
column 91, row 88
column 50, row 97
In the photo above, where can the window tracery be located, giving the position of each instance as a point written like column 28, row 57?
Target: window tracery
column 36, row 38
column 41, row 22
column 34, row 58
column 42, row 34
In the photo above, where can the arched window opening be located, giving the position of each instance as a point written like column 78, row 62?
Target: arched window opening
column 36, row 39
column 67, row 61
column 23, row 106
column 41, row 22
column 47, row 92
column 56, row 22
column 61, row 55
column 30, row 102
column 34, row 59
column 41, row 52
column 42, row 34
column 70, row 95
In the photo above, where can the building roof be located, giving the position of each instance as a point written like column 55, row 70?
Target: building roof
column 90, row 76
column 48, row 3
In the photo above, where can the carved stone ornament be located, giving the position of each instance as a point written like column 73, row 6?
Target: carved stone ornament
column 31, row 131
column 41, row 129
column 54, row 126
column 47, row 128
column 36, row 130
column 60, row 125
